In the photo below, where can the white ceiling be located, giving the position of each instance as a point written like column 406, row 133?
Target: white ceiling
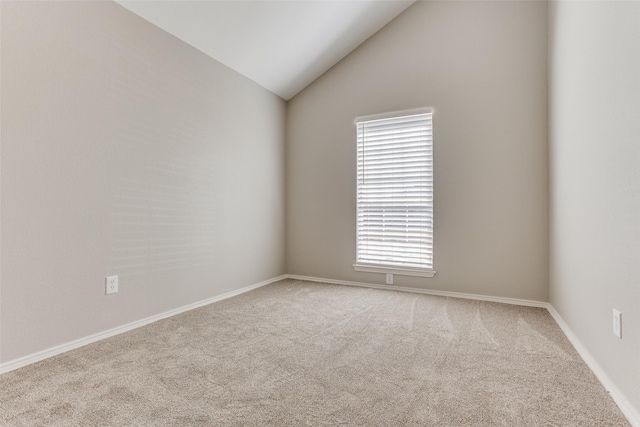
column 281, row 45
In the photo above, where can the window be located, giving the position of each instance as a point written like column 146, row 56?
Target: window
column 395, row 193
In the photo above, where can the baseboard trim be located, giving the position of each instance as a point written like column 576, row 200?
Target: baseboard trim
column 63, row 348
column 513, row 301
column 618, row 397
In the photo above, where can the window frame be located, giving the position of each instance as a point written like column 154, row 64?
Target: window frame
column 381, row 268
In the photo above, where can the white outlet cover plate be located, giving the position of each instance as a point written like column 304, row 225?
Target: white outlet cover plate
column 111, row 284
column 617, row 323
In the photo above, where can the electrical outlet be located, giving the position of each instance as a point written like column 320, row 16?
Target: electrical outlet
column 389, row 279
column 617, row 323
column 111, row 284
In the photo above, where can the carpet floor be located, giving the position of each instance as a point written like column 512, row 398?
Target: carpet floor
column 298, row 353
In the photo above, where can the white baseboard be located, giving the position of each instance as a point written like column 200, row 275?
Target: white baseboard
column 623, row 403
column 618, row 397
column 54, row 351
column 513, row 301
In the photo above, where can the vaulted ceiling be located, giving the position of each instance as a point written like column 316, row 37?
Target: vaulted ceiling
column 281, row 45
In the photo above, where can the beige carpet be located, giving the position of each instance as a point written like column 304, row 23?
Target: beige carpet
column 298, row 353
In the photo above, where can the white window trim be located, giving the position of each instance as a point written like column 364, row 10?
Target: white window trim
column 398, row 271
column 429, row 273
column 428, row 110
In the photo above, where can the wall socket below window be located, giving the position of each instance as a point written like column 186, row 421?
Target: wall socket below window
column 389, row 279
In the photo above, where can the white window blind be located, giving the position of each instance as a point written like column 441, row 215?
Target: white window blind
column 395, row 192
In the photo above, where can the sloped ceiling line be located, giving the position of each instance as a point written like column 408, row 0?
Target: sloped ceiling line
column 281, row 45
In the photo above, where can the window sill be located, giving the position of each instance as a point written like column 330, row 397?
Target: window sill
column 394, row 270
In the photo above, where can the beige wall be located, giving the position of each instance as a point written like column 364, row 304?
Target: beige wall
column 594, row 51
column 483, row 67
column 125, row 151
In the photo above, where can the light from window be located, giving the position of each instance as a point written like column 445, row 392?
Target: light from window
column 395, row 191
